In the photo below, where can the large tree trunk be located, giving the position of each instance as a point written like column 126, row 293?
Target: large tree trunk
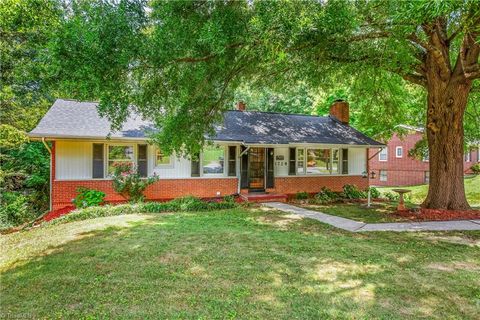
column 447, row 100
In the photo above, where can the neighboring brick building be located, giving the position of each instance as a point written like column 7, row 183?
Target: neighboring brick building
column 393, row 166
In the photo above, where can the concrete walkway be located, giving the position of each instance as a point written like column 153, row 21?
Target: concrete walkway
column 355, row 226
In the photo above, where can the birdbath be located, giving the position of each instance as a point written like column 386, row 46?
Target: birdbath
column 401, row 203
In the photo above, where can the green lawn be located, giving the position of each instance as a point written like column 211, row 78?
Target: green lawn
column 378, row 212
column 419, row 193
column 241, row 263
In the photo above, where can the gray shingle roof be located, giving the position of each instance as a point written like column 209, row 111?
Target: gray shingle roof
column 74, row 119
column 67, row 118
column 280, row 128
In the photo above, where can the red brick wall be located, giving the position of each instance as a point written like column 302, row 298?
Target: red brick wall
column 291, row 185
column 64, row 191
column 403, row 171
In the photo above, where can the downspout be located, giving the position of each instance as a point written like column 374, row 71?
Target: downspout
column 240, row 160
column 50, row 175
column 368, row 167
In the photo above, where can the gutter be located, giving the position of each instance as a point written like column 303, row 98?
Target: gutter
column 50, row 173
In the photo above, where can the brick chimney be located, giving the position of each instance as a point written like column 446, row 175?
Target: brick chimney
column 241, row 106
column 340, row 111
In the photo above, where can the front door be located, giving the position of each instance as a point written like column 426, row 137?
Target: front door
column 256, row 169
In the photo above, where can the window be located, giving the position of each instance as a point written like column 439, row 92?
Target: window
column 426, row 157
column 383, row 155
column 118, row 155
column 213, row 160
column 300, row 161
column 383, row 175
column 161, row 159
column 318, row 161
column 467, row 156
column 427, row 176
column 335, row 161
column 399, row 152
column 344, row 161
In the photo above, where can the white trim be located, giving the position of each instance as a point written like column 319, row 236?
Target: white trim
column 107, row 157
column 305, row 156
column 380, row 175
column 381, row 153
column 160, row 178
column 214, row 175
column 396, row 152
column 170, row 165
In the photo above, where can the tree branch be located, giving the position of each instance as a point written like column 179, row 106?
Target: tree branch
column 370, row 35
column 468, row 55
column 415, row 78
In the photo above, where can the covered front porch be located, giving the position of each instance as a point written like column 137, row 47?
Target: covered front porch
column 272, row 173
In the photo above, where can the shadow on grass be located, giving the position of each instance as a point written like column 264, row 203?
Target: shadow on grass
column 243, row 264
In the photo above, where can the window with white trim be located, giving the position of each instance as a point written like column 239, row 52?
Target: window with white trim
column 161, row 159
column 300, row 161
column 383, row 175
column 213, row 160
column 318, row 161
column 467, row 156
column 399, row 152
column 383, row 155
column 119, row 155
column 427, row 177
column 426, row 157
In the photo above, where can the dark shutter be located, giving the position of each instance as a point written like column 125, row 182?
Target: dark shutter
column 244, row 169
column 98, row 162
column 291, row 162
column 232, row 161
column 195, row 165
column 142, row 160
column 344, row 161
column 270, row 168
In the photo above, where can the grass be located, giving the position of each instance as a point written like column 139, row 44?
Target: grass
column 379, row 212
column 240, row 263
column 419, row 193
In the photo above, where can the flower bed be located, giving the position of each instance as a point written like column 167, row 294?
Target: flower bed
column 57, row 213
column 438, row 215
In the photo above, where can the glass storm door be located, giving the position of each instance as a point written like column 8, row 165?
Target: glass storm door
column 256, row 168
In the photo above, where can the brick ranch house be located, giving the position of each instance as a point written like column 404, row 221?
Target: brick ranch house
column 393, row 166
column 273, row 153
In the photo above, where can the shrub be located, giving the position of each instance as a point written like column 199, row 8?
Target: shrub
column 326, row 196
column 88, row 198
column 475, row 168
column 374, row 193
column 181, row 204
column 128, row 182
column 301, row 195
column 351, row 191
column 14, row 209
column 390, row 196
column 96, row 212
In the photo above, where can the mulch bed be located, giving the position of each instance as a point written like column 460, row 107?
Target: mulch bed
column 57, row 213
column 438, row 215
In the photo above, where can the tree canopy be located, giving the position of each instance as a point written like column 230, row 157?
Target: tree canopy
column 182, row 63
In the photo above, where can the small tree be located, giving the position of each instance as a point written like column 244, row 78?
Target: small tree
column 128, row 182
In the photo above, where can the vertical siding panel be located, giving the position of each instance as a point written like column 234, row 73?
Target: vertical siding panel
column 73, row 160
column 357, row 161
